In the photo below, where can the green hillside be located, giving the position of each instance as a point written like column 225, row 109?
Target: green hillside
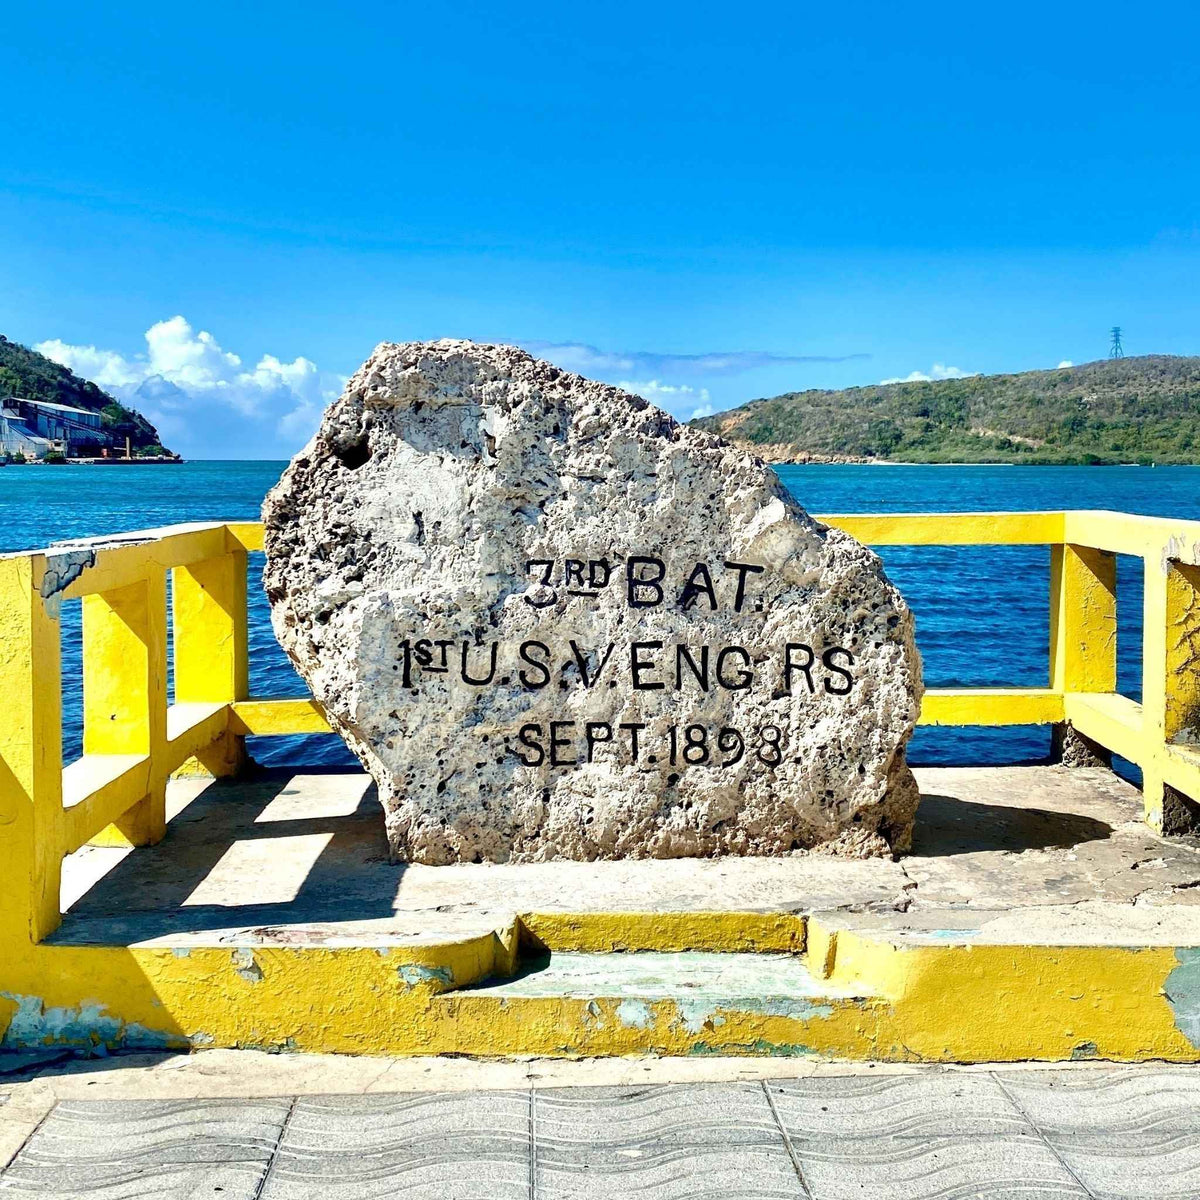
column 1113, row 411
column 32, row 376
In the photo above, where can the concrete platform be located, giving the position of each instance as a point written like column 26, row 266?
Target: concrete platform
column 1038, row 918
column 1046, row 855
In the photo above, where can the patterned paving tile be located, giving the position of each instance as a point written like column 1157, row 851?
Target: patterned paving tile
column 1157, row 1165
column 173, row 1181
column 898, row 1105
column 699, row 1114
column 1105, row 1103
column 364, row 1125
column 460, row 1145
column 102, row 1134
column 862, row 1167
column 1121, row 1134
column 667, row 1172
column 434, row 1177
column 1126, row 1132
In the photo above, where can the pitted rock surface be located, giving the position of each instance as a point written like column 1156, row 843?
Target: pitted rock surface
column 554, row 623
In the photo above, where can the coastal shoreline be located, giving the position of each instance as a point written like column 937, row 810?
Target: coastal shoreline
column 888, row 462
column 148, row 461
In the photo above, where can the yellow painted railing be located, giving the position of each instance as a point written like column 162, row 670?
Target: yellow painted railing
column 133, row 741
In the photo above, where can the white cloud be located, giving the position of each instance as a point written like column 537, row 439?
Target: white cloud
column 1066, row 362
column 209, row 402
column 676, row 398
column 911, row 377
column 106, row 368
column 589, row 360
column 202, row 398
column 188, row 358
column 937, row 371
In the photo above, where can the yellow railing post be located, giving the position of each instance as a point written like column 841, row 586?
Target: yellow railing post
column 1171, row 687
column 1083, row 635
column 125, row 693
column 30, row 757
column 211, row 656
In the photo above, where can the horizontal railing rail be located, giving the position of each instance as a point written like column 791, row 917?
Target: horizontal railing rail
column 1161, row 733
column 133, row 740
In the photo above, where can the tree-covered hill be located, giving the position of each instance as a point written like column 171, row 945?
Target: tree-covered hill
column 1114, row 411
column 32, row 376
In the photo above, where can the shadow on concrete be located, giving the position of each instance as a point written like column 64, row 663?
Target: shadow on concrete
column 149, row 893
column 19, row 1066
column 292, row 859
column 947, row 825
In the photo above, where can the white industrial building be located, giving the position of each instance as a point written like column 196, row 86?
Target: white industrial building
column 36, row 427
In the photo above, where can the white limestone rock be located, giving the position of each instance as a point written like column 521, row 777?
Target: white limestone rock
column 449, row 566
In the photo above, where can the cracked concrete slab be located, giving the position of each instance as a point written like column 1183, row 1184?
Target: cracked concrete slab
column 1046, row 854
column 1015, row 837
column 23, row 1107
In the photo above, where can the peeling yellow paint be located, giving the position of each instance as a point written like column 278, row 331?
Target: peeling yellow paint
column 730, row 931
column 930, row 1003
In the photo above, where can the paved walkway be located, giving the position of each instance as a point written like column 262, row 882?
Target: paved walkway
column 821, row 1133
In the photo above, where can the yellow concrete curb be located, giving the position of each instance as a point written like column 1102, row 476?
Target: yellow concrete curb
column 870, row 998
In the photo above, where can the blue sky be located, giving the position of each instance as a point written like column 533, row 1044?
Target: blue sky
column 712, row 202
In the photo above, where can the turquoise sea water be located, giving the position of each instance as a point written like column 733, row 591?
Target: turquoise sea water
column 981, row 611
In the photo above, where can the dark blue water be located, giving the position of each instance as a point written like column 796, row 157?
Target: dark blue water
column 43, row 504
column 981, row 611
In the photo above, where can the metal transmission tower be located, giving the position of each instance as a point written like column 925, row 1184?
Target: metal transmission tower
column 1115, row 350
